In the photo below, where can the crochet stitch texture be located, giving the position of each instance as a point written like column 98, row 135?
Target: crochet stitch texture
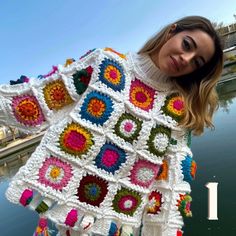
column 113, row 160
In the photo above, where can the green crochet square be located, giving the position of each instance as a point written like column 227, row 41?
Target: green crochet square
column 159, row 140
column 128, row 127
column 126, row 201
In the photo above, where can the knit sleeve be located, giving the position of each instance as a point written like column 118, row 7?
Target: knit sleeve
column 169, row 200
column 32, row 104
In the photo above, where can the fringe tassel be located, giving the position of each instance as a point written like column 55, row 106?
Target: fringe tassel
column 179, row 233
column 126, row 230
column 87, row 222
column 42, row 228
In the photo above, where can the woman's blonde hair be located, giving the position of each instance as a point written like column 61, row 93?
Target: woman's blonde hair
column 198, row 89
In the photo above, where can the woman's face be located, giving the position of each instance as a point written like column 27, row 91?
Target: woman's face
column 184, row 53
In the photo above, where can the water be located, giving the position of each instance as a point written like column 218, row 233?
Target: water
column 215, row 155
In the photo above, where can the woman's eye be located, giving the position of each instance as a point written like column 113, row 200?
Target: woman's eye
column 186, row 45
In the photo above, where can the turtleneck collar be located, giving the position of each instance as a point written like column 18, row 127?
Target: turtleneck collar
column 145, row 67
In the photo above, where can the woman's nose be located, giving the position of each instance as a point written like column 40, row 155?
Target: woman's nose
column 186, row 58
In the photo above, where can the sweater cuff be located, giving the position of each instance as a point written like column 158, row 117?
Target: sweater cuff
column 163, row 229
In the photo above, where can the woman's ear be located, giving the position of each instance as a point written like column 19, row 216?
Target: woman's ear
column 173, row 27
column 172, row 30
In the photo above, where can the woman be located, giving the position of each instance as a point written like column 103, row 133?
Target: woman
column 119, row 162
column 195, row 77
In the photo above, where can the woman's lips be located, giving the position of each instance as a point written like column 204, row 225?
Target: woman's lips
column 175, row 63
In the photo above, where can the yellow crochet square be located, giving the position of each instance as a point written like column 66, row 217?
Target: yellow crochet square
column 56, row 95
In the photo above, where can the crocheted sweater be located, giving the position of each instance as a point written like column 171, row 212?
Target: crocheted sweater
column 113, row 160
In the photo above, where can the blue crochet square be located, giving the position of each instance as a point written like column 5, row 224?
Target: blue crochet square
column 110, row 158
column 112, row 74
column 96, row 108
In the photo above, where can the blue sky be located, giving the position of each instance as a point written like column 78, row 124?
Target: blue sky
column 38, row 34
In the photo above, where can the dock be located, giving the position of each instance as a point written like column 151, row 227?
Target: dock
column 20, row 147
